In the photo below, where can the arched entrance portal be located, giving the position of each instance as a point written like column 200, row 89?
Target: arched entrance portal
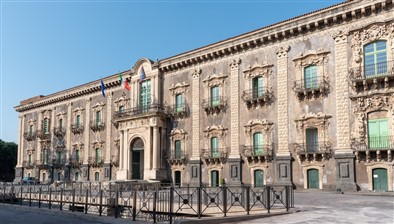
column 137, row 159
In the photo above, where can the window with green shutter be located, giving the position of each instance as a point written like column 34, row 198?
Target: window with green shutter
column 178, row 149
column 215, row 98
column 97, row 156
column 312, row 144
column 77, row 155
column 258, row 143
column 178, row 103
column 378, row 133
column 45, row 156
column 78, row 121
column 375, row 59
column 31, row 130
column 121, row 109
column 59, row 157
column 96, row 176
column 98, row 117
column 257, row 87
column 145, row 94
column 46, row 126
column 60, row 123
column 214, row 147
column 310, row 77
column 30, row 161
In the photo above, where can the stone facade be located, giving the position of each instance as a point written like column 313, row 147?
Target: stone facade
column 294, row 102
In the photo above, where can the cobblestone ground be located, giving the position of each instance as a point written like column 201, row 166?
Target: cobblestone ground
column 323, row 207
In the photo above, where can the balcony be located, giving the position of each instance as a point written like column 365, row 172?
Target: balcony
column 372, row 77
column 28, row 164
column 214, row 106
column 139, row 112
column 115, row 160
column 311, row 88
column 29, row 136
column 216, row 156
column 42, row 164
column 59, row 131
column 178, row 111
column 257, row 97
column 58, row 163
column 320, row 151
column 257, row 153
column 77, row 128
column 97, row 126
column 376, row 149
column 75, row 162
column 177, row 158
column 43, row 135
column 95, row 161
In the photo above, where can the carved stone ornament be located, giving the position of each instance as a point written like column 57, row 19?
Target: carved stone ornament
column 258, row 125
column 98, row 144
column 373, row 103
column 179, row 88
column 77, row 145
column 31, row 121
column 318, row 58
column 46, row 114
column 61, row 115
column 117, row 143
column 215, row 131
column 281, row 52
column 235, row 63
column 340, row 36
column 215, row 80
column 196, row 73
column 370, row 33
column 178, row 134
column 78, row 110
column 98, row 106
column 258, row 70
column 313, row 120
column 122, row 101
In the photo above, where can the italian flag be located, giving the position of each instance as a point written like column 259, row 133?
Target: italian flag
column 124, row 83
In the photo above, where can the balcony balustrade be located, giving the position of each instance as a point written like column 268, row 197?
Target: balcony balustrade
column 178, row 110
column 95, row 161
column 318, row 151
column 258, row 153
column 374, row 149
column 59, row 131
column 77, row 128
column 97, row 126
column 29, row 136
column 214, row 156
column 311, row 88
column 257, row 97
column 43, row 135
column 177, row 157
column 214, row 105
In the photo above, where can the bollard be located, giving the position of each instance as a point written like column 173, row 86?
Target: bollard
column 50, row 198
column 61, row 199
column 39, row 197
column 224, row 192
column 268, row 199
column 247, row 200
column 86, row 201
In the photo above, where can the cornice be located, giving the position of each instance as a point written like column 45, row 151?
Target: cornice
column 318, row 20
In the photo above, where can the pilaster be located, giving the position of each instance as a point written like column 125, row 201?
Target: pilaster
column 87, row 132
column 155, row 147
column 195, row 163
column 68, row 131
column 38, row 147
column 108, row 129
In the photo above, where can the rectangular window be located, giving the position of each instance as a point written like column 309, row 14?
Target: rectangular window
column 60, row 123
column 312, row 144
column 375, row 59
column 59, row 157
column 97, row 156
column 31, row 130
column 78, row 121
column 310, row 77
column 145, row 94
column 178, row 103
column 258, row 143
column 178, row 149
column 30, row 162
column 378, row 133
column 215, row 98
column 77, row 155
column 98, row 117
column 215, row 147
column 121, row 109
column 257, row 87
column 46, row 126
column 44, row 157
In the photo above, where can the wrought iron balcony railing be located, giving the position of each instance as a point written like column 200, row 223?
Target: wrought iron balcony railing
column 75, row 162
column 77, row 128
column 322, row 147
column 59, row 131
column 43, row 135
column 256, row 96
column 29, row 136
column 374, row 149
column 217, row 155
column 311, row 87
column 178, row 110
column 95, row 161
column 177, row 157
column 258, row 153
column 58, row 163
column 214, row 105
column 140, row 110
column 28, row 164
column 97, row 126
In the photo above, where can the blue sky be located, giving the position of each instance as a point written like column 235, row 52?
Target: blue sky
column 48, row 46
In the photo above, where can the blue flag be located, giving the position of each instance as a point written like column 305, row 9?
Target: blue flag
column 102, row 88
column 142, row 74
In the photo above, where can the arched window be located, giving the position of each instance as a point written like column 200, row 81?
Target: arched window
column 310, row 77
column 258, row 143
column 375, row 59
column 96, row 176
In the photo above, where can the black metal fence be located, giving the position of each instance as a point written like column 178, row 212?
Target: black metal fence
column 151, row 202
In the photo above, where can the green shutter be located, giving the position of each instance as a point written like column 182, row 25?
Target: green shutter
column 77, row 155
column 78, row 121
column 214, row 178
column 312, row 144
column 214, row 147
column 258, row 143
column 60, row 123
column 378, row 133
column 375, row 59
column 310, row 77
column 178, row 149
column 179, row 103
column 98, row 159
column 258, row 178
column 215, row 96
column 145, row 93
column 98, row 117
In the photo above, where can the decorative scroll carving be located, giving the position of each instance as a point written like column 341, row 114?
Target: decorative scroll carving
column 340, row 36
column 215, row 80
column 196, row 73
column 281, row 52
column 215, row 131
column 235, row 63
column 98, row 106
column 122, row 101
column 313, row 120
column 179, row 88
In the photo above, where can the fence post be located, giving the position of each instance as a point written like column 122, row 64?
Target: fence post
column 224, row 189
column 4, row 193
column 247, row 200
column 12, row 194
column 29, row 196
column 73, row 203
column 154, row 206
column 116, row 203
column 199, row 202
column 50, row 198
column 171, row 202
column 268, row 198
column 101, row 202
column 39, row 197
column 21, row 197
column 287, row 197
column 86, row 201
column 61, row 199
column 134, row 205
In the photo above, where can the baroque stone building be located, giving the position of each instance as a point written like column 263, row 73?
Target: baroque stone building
column 307, row 101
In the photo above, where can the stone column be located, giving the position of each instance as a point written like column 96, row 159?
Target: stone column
column 234, row 160
column 283, row 157
column 108, row 143
column 195, row 163
column 85, row 166
column 344, row 157
column 155, row 147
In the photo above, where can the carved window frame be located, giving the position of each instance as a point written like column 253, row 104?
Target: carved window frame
column 218, row 80
column 46, row 114
column 215, row 131
column 31, row 123
column 61, row 115
column 122, row 101
column 259, row 70
column 258, row 125
column 78, row 111
column 368, row 34
column 318, row 58
column 179, row 88
column 98, row 107
column 98, row 144
column 320, row 121
column 178, row 135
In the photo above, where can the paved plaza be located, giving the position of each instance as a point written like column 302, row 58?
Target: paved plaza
column 312, row 207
